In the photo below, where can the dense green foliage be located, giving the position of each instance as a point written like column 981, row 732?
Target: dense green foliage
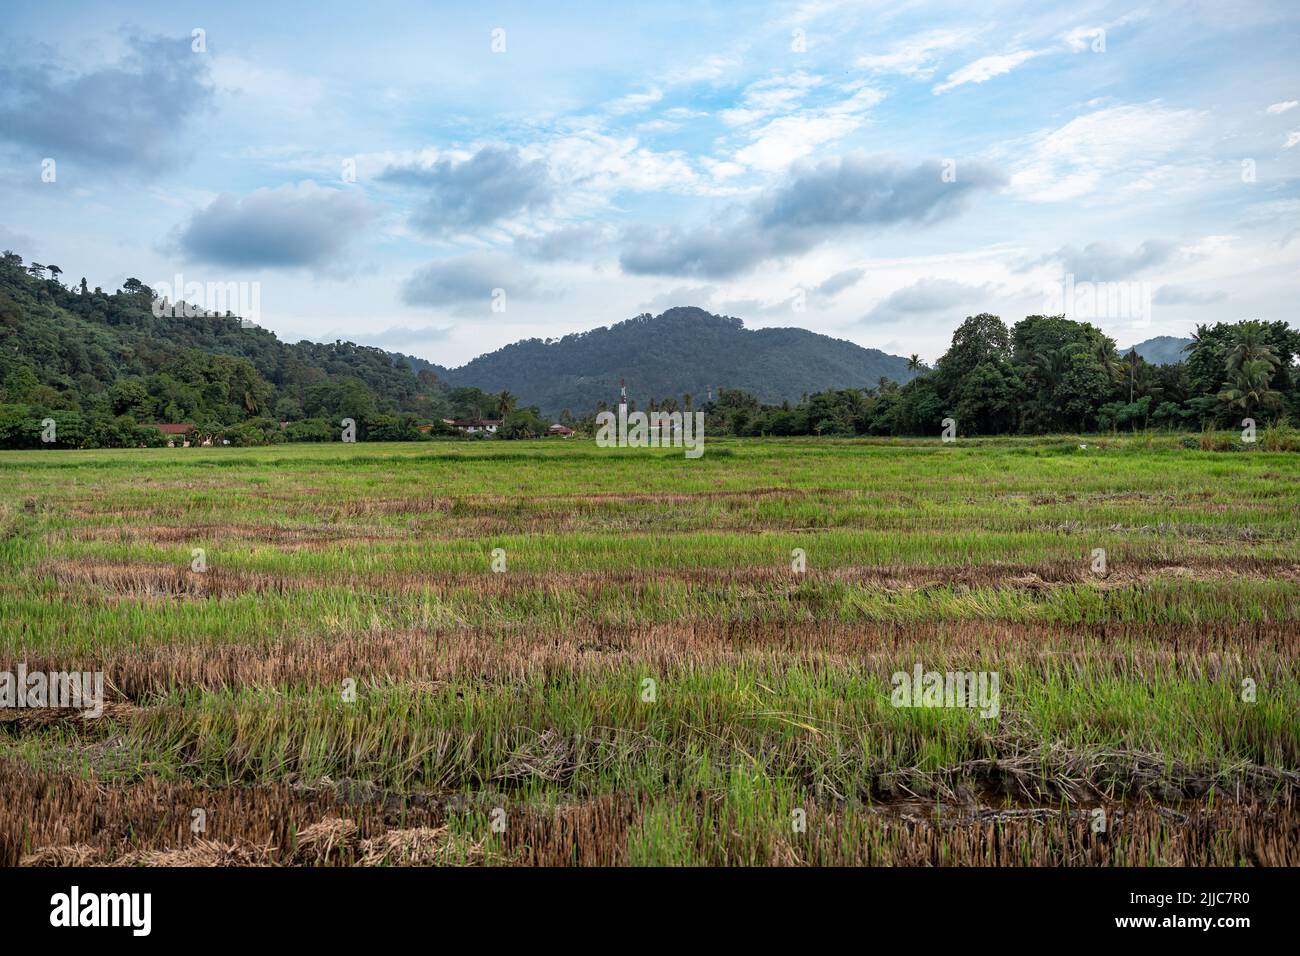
column 103, row 364
column 1045, row 375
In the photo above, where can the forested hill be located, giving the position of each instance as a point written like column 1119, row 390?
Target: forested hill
column 683, row 351
column 102, row 353
column 108, row 353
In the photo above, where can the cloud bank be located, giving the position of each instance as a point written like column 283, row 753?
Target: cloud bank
column 819, row 202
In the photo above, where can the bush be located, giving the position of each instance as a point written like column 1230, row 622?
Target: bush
column 244, row 436
column 20, row 427
column 387, row 427
column 311, row 429
column 523, row 423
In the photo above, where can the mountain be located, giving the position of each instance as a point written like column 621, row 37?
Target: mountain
column 683, row 351
column 1162, row 350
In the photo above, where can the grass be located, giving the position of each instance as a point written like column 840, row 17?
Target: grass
column 1161, row 688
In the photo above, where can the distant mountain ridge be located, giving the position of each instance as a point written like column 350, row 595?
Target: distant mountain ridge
column 1162, row 350
column 683, row 351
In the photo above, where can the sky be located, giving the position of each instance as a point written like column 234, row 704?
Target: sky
column 444, row 179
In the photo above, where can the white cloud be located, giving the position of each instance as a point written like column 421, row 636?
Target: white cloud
column 739, row 116
column 788, row 138
column 985, row 68
column 916, row 56
column 1082, row 38
column 658, row 126
column 1123, row 147
column 785, row 139
column 721, row 169
column 1283, row 107
column 1291, row 140
column 633, row 102
column 597, row 162
column 708, row 70
column 764, row 98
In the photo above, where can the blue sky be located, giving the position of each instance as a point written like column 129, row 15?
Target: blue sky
column 872, row 171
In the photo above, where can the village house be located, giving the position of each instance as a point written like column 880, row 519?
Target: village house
column 474, row 426
column 174, row 433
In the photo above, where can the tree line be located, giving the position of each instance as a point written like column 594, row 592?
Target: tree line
column 104, row 365
column 1045, row 374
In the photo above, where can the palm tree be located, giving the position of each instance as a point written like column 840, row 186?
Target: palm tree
column 857, row 405
column 1105, row 355
column 1249, row 345
column 914, row 363
column 1050, row 368
column 1051, row 365
column 1247, row 387
column 505, row 404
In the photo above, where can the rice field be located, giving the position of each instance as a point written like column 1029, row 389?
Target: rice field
column 547, row 653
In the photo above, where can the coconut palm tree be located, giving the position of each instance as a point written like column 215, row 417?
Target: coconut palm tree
column 1247, row 387
column 914, row 363
column 856, row 405
column 1249, row 345
column 505, row 404
column 1105, row 355
column 1051, row 365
